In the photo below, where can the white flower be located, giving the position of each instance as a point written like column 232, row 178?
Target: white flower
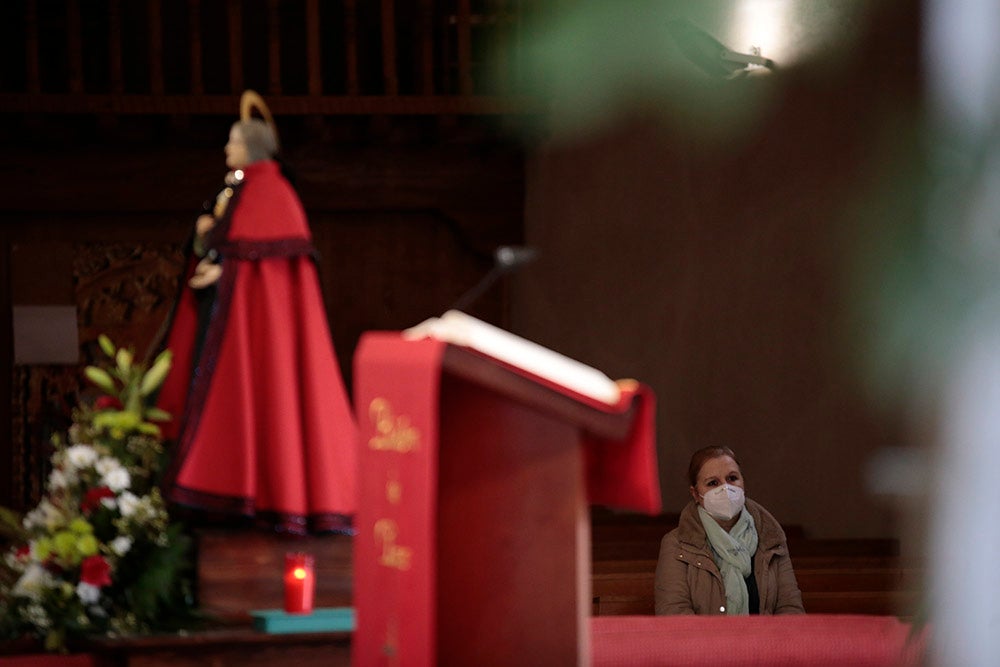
column 106, row 464
column 88, row 593
column 121, row 544
column 12, row 562
column 33, row 582
column 45, row 515
column 145, row 511
column 109, row 503
column 128, row 503
column 81, row 456
column 117, row 479
column 57, row 480
column 37, row 616
column 32, row 519
column 71, row 474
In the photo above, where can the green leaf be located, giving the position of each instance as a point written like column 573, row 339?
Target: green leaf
column 11, row 527
column 124, row 360
column 161, row 581
column 116, row 419
column 55, row 640
column 149, row 429
column 157, row 415
column 155, row 376
column 106, row 345
column 100, row 377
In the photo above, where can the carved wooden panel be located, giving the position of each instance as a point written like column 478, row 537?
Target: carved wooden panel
column 125, row 290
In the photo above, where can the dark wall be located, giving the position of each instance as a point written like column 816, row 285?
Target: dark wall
column 714, row 268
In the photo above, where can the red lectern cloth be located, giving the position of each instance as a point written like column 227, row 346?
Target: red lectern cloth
column 396, row 391
column 625, row 474
column 814, row 640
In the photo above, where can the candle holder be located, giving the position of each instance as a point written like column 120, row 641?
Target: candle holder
column 300, row 583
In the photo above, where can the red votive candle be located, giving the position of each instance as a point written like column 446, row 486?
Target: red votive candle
column 300, row 583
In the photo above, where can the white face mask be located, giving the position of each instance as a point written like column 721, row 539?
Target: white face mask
column 724, row 502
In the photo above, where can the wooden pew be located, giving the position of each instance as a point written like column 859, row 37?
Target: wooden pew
column 867, row 586
column 612, row 566
column 855, row 579
column 878, row 603
column 639, row 541
column 867, row 546
column 836, row 576
column 612, row 602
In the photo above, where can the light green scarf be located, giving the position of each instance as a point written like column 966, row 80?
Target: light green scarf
column 733, row 552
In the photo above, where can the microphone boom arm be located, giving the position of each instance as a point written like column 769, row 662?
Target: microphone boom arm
column 506, row 259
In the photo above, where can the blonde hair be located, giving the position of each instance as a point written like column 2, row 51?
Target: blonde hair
column 704, row 454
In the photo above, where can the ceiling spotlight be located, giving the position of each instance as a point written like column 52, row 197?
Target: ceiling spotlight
column 711, row 56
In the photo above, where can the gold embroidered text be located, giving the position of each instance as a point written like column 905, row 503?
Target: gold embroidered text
column 392, row 433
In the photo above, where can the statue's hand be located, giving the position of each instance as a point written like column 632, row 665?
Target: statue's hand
column 203, row 225
column 206, row 273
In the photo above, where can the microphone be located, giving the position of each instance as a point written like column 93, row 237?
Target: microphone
column 506, row 258
column 510, row 257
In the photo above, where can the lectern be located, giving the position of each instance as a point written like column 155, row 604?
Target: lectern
column 473, row 537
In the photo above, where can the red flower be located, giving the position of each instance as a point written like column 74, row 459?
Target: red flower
column 94, row 570
column 92, row 499
column 22, row 553
column 107, row 402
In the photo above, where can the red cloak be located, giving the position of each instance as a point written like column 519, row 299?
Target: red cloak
column 263, row 424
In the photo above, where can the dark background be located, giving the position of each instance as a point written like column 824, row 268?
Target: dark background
column 711, row 266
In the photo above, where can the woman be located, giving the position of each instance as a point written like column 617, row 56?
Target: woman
column 728, row 555
column 263, row 426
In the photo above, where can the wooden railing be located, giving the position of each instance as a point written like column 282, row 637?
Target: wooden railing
column 325, row 57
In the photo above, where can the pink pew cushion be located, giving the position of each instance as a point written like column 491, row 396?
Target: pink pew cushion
column 754, row 641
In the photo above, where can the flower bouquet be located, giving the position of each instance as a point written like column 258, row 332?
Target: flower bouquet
column 99, row 554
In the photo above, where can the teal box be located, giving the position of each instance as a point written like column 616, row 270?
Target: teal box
column 328, row 619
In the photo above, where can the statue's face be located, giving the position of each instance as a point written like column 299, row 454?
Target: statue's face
column 237, row 155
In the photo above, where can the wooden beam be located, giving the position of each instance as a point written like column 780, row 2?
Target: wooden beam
column 389, row 74
column 235, row 16
column 464, row 39
column 501, row 37
column 74, row 46
column 426, row 47
column 116, row 77
column 351, row 45
column 194, row 34
column 314, row 51
column 303, row 105
column 273, row 47
column 32, row 64
column 154, row 22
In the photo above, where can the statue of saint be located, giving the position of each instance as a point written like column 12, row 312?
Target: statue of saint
column 263, row 427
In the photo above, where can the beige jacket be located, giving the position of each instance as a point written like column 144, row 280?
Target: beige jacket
column 688, row 580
